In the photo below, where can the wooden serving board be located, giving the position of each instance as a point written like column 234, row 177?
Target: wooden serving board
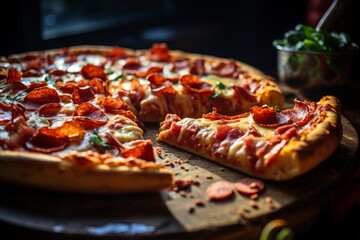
column 175, row 215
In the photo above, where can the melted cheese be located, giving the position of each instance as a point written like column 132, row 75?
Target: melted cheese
column 206, row 130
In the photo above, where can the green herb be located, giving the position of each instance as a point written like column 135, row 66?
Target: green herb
column 220, row 86
column 276, row 108
column 109, row 71
column 7, row 98
column 97, row 141
column 307, row 38
column 215, row 95
column 50, row 80
column 118, row 77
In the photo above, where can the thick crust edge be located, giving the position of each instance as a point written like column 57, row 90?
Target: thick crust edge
column 48, row 172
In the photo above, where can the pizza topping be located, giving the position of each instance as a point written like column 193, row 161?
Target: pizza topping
column 20, row 134
column 57, row 72
column 39, row 97
column 132, row 65
column 198, row 67
column 264, row 115
column 90, row 116
column 97, row 142
column 90, row 71
column 301, row 113
column 194, row 84
column 160, row 52
column 156, row 80
column 229, row 69
column 217, row 116
column 5, row 113
column 82, row 94
column 139, row 149
column 249, row 186
column 219, row 191
column 13, row 75
column 47, row 140
column 31, row 73
column 243, row 93
column 169, row 119
column 114, row 106
column 97, row 86
column 179, row 64
column 73, row 130
column 117, row 53
column 49, row 109
column 269, row 117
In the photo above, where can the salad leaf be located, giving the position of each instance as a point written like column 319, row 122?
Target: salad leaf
column 307, row 38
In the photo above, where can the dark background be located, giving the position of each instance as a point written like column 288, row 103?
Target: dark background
column 242, row 30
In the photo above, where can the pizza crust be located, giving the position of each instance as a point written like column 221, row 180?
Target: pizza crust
column 299, row 157
column 48, row 172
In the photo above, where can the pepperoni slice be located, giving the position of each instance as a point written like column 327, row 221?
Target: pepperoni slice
column 249, row 186
column 219, row 191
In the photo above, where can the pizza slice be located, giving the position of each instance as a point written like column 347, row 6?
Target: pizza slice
column 264, row 142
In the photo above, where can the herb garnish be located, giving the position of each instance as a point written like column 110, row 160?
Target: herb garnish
column 220, row 86
column 97, row 141
column 121, row 75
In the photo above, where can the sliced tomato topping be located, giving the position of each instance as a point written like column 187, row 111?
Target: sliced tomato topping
column 219, row 191
column 249, row 186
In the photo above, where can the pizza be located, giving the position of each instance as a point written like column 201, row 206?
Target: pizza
column 264, row 142
column 73, row 119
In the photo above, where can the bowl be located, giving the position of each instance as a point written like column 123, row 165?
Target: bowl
column 308, row 70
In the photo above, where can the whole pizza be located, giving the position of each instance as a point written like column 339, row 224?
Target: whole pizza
column 73, row 119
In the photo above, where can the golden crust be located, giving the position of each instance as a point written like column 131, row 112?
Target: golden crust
column 315, row 146
column 48, row 172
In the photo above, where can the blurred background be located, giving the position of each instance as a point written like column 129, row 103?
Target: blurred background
column 242, row 30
